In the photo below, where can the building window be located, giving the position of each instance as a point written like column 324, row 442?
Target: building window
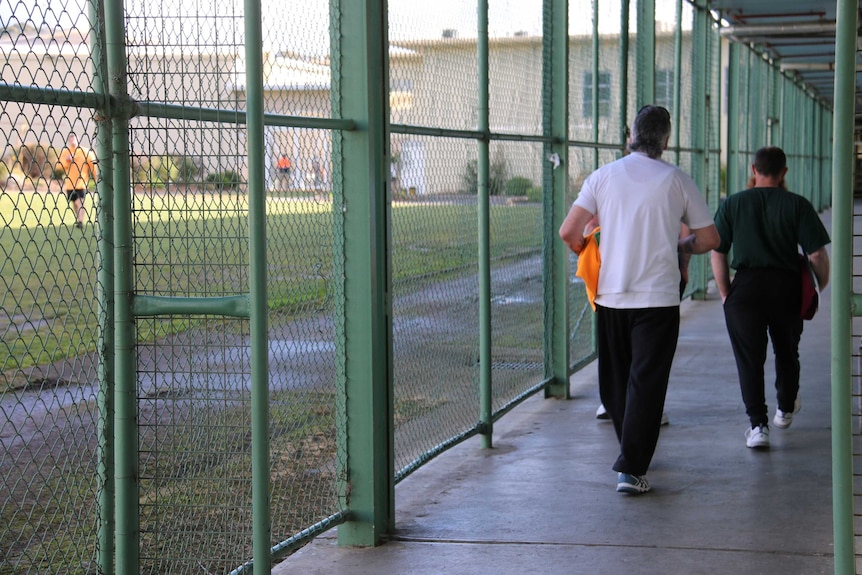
column 664, row 88
column 604, row 94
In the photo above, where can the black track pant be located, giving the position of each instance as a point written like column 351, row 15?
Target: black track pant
column 636, row 349
column 765, row 302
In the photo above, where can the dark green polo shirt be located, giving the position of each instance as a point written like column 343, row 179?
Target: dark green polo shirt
column 765, row 225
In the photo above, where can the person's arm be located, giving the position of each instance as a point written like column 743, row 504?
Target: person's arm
column 820, row 264
column 721, row 272
column 684, row 258
column 572, row 230
column 700, row 241
column 94, row 165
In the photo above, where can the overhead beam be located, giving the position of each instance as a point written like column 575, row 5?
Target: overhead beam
column 771, row 30
column 813, row 66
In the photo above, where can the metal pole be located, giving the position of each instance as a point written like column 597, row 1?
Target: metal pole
column 258, row 312
column 105, row 397
column 555, row 258
column 676, row 111
column 700, row 128
column 734, row 172
column 645, row 53
column 745, row 72
column 125, row 396
column 625, row 11
column 842, row 254
column 595, row 87
column 362, row 215
column 485, row 379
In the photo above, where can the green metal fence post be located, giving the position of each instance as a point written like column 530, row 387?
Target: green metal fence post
column 842, row 254
column 823, row 173
column 555, row 258
column 773, row 104
column 745, row 72
column 485, row 379
column 735, row 173
column 816, row 134
column 625, row 12
column 700, row 127
column 713, row 142
column 676, row 111
column 363, row 286
column 259, row 308
column 645, row 81
column 808, row 150
column 757, row 115
column 596, row 70
column 125, row 393
column 105, row 397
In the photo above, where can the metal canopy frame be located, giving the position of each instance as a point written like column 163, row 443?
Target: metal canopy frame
column 799, row 36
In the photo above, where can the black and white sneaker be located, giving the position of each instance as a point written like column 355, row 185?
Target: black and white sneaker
column 632, row 484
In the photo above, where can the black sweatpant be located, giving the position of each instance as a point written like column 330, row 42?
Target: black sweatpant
column 765, row 302
column 636, row 349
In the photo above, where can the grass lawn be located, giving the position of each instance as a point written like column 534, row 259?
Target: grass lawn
column 196, row 245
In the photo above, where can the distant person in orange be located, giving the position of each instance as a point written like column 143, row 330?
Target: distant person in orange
column 283, row 165
column 79, row 167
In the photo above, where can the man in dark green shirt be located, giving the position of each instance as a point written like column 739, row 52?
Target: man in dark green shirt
column 765, row 225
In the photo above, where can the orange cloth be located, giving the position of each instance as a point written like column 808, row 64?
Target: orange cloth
column 589, row 263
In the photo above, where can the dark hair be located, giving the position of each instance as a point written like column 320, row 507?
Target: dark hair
column 769, row 161
column 650, row 131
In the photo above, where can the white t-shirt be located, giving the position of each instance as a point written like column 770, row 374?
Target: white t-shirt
column 640, row 203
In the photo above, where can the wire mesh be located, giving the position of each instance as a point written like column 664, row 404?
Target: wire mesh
column 433, row 65
column 434, row 304
column 49, row 312
column 189, row 207
column 516, row 275
column 581, row 346
column 191, row 239
column 856, row 353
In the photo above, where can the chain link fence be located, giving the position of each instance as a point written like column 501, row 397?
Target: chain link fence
column 50, row 314
column 190, row 165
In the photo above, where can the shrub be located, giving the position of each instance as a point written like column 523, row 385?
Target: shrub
column 518, row 186
column 161, row 170
column 534, row 194
column 497, row 176
column 155, row 171
column 36, row 160
column 187, row 169
column 227, row 179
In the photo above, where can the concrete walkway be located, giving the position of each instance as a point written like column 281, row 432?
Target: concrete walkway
column 543, row 500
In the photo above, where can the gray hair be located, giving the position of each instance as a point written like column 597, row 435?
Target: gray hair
column 650, row 131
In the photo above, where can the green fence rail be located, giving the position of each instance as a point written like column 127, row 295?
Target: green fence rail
column 319, row 249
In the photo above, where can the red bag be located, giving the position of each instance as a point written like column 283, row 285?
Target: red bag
column 810, row 289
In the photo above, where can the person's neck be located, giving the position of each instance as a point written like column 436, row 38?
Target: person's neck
column 761, row 181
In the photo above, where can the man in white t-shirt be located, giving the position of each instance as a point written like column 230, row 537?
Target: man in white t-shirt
column 640, row 201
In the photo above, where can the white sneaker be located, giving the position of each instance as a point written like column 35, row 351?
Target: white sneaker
column 602, row 413
column 664, row 418
column 783, row 419
column 757, row 437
